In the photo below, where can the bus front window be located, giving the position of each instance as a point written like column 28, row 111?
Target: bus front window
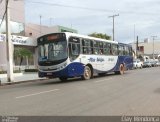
column 54, row 51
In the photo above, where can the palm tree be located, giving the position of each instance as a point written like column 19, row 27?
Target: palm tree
column 20, row 53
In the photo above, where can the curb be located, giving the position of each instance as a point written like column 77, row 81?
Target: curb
column 19, row 82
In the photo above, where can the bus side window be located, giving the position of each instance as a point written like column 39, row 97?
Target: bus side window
column 114, row 49
column 120, row 50
column 107, row 48
column 87, row 46
column 126, row 50
column 130, row 51
column 95, row 47
column 101, row 52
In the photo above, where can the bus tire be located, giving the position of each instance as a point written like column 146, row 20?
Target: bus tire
column 87, row 73
column 121, row 70
column 63, row 78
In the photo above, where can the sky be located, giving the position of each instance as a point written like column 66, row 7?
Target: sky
column 136, row 17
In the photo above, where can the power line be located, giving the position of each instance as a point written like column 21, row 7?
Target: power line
column 69, row 6
column 91, row 9
column 3, row 18
column 1, row 1
column 4, row 14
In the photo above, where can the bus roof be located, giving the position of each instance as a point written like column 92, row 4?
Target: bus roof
column 68, row 34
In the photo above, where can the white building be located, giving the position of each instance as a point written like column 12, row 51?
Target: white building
column 148, row 48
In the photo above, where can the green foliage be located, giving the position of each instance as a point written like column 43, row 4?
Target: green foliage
column 31, row 70
column 100, row 35
column 5, row 72
column 21, row 53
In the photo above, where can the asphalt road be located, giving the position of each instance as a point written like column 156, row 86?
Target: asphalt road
column 137, row 92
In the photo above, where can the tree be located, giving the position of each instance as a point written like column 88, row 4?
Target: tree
column 21, row 53
column 100, row 35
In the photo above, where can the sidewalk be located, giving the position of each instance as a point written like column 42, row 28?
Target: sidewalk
column 20, row 77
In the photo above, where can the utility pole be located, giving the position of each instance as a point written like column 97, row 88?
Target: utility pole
column 134, row 32
column 137, row 47
column 153, row 45
column 9, row 46
column 51, row 21
column 113, row 16
column 40, row 17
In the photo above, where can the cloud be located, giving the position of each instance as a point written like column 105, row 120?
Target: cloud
column 89, row 16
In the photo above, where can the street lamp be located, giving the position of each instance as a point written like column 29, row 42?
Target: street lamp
column 113, row 16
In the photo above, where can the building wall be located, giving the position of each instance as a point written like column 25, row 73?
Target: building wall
column 17, row 17
column 148, row 47
column 18, row 41
column 3, row 58
column 34, row 30
column 17, row 11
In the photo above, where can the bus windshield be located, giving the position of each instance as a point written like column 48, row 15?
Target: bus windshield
column 53, row 51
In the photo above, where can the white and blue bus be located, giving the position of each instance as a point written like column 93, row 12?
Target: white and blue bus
column 67, row 55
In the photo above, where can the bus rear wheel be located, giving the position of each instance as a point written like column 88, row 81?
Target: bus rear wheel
column 121, row 70
column 63, row 78
column 87, row 73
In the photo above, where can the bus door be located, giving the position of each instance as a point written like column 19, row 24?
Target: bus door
column 74, row 48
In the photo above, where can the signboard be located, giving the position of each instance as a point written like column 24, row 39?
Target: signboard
column 2, row 38
column 20, row 40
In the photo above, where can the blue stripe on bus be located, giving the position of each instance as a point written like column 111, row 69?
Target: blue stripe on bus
column 72, row 70
column 126, row 60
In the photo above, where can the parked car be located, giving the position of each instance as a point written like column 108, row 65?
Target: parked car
column 153, row 63
column 157, row 63
column 147, row 64
column 137, row 64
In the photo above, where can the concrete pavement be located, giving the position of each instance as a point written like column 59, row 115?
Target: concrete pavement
column 20, row 77
column 137, row 92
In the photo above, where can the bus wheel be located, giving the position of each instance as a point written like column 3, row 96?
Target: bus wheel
column 121, row 69
column 87, row 73
column 63, row 78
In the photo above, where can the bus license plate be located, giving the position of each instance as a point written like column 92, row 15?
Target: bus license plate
column 49, row 73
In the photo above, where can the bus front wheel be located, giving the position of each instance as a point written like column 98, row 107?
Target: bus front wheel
column 87, row 73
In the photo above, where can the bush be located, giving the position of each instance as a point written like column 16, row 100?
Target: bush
column 5, row 72
column 31, row 70
column 17, row 71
